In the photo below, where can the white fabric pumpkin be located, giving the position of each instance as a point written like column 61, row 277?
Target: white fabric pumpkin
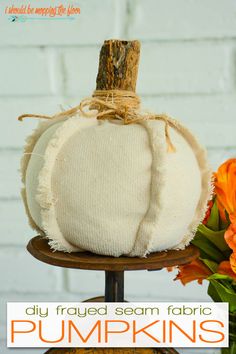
column 113, row 189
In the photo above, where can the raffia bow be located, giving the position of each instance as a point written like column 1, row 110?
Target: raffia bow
column 110, row 105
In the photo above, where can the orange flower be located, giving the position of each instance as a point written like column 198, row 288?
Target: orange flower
column 230, row 236
column 232, row 260
column 196, row 270
column 208, row 212
column 225, row 189
column 226, row 269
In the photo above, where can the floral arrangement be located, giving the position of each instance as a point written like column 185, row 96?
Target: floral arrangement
column 216, row 241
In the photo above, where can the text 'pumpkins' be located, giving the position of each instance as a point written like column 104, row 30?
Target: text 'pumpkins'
column 114, row 180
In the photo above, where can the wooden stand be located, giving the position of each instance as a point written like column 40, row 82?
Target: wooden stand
column 114, row 278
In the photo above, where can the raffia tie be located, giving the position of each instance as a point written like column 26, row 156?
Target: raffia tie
column 110, row 105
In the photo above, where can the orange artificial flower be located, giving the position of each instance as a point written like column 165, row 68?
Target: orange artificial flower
column 225, row 189
column 208, row 212
column 196, row 270
column 230, row 236
column 226, row 269
column 232, row 260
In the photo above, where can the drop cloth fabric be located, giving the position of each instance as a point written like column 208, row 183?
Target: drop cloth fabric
column 113, row 189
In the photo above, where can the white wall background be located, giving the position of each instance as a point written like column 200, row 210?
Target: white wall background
column 187, row 69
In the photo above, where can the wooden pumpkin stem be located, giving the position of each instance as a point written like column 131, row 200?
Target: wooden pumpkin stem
column 118, row 65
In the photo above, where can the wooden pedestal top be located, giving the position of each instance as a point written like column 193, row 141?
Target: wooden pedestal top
column 39, row 248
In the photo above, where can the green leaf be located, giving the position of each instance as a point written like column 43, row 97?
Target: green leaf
column 216, row 237
column 218, row 276
column 203, row 255
column 224, row 224
column 213, row 266
column 223, row 293
column 213, row 222
column 212, row 292
column 207, row 249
